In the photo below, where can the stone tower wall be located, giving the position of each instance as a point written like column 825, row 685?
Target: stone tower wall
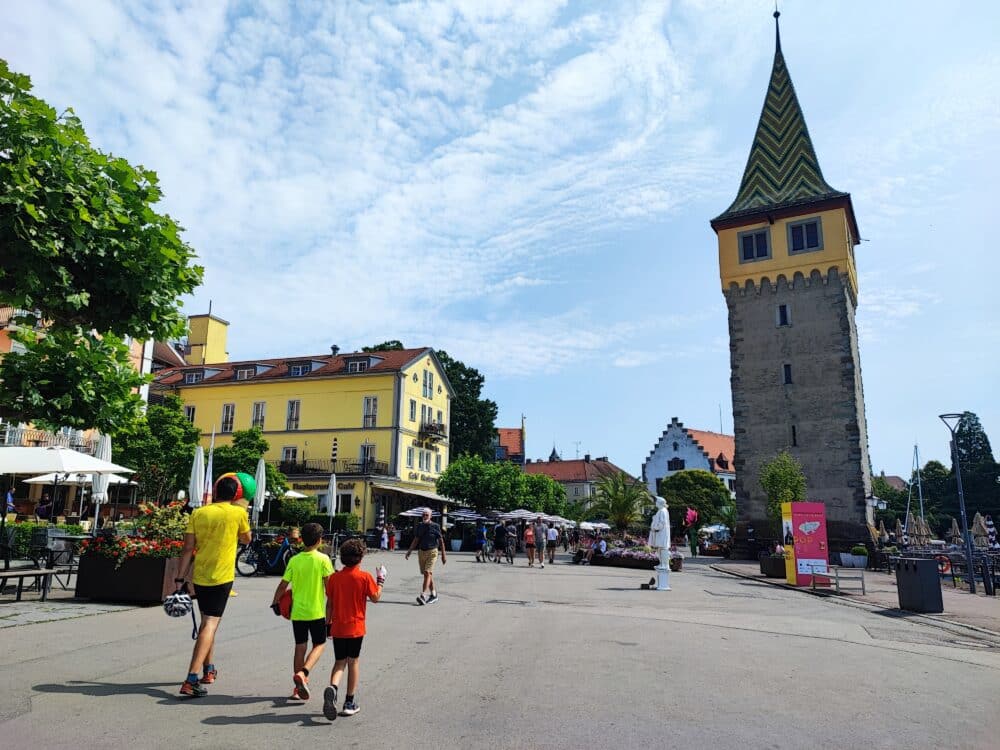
column 824, row 402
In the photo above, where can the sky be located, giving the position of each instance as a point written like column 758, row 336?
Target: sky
column 528, row 185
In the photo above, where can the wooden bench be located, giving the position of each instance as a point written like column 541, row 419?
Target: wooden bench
column 42, row 577
column 839, row 575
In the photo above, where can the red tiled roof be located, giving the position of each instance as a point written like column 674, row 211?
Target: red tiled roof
column 574, row 470
column 391, row 361
column 166, row 354
column 897, row 483
column 510, row 439
column 713, row 445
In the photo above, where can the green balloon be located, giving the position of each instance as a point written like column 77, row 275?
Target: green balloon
column 249, row 485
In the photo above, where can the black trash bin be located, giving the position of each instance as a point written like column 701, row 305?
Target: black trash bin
column 919, row 585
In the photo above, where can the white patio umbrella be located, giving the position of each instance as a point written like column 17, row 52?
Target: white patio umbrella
column 99, row 492
column 57, row 459
column 294, row 494
column 196, row 488
column 258, row 499
column 331, row 498
column 75, row 479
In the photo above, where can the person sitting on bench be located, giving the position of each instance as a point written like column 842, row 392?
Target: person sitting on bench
column 600, row 546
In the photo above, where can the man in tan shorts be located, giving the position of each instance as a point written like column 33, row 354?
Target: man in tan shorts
column 428, row 540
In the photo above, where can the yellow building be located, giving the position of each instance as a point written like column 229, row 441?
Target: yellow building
column 379, row 420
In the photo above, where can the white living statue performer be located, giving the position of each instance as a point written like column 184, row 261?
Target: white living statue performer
column 659, row 532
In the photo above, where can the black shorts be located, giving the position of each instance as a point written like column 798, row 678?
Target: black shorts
column 347, row 648
column 306, row 629
column 212, row 600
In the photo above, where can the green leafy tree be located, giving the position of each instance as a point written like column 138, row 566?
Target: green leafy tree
column 895, row 501
column 247, row 448
column 469, row 480
column 697, row 489
column 83, row 250
column 620, row 500
column 385, row 346
column 980, row 471
column 160, row 447
column 473, row 418
column 783, row 482
column 297, row 511
column 544, row 494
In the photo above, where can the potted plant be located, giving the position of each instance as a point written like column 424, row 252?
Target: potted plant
column 860, row 554
column 139, row 568
column 772, row 565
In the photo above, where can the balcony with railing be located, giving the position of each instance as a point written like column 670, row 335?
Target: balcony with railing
column 342, row 467
column 29, row 437
column 432, row 431
column 9, row 317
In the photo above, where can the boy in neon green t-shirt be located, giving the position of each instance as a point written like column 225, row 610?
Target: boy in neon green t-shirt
column 306, row 574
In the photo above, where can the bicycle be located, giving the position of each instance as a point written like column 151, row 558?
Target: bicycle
column 252, row 559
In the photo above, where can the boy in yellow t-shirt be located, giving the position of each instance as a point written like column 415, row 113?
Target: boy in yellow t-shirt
column 306, row 574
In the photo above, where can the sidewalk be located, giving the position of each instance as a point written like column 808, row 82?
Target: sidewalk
column 960, row 607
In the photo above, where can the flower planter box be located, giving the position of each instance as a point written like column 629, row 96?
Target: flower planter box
column 142, row 580
column 772, row 567
column 676, row 564
column 624, row 562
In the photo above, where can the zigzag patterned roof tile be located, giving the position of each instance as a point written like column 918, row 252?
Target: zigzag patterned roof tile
column 782, row 169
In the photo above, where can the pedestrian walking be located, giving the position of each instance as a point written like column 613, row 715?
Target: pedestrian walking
column 553, row 543
column 481, row 553
column 511, row 542
column 306, row 574
column 428, row 537
column 213, row 532
column 384, row 539
column 541, row 539
column 348, row 592
column 499, row 541
column 529, row 543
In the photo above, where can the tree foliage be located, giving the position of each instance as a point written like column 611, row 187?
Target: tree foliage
column 83, row 250
column 385, row 346
column 620, row 500
column 980, row 471
column 473, row 418
column 159, row 446
column 697, row 489
column 485, row 486
column 247, row 448
column 783, row 482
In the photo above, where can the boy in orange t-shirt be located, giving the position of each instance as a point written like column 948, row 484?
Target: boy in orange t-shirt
column 347, row 594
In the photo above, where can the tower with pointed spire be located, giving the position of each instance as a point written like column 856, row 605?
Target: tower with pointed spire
column 786, row 261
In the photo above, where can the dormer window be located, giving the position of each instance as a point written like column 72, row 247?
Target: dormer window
column 193, row 377
column 245, row 373
column 299, row 369
column 357, row 365
column 721, row 462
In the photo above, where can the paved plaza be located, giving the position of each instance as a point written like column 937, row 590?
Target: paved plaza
column 565, row 657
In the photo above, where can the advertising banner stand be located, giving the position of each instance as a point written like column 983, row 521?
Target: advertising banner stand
column 807, row 554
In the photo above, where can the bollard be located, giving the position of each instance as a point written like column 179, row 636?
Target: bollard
column 988, row 586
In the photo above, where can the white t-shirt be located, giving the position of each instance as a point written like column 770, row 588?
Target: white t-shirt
column 553, row 534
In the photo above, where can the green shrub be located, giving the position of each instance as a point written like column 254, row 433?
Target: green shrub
column 341, row 521
column 295, row 511
column 860, row 550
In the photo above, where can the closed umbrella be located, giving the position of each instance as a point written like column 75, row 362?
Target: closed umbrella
column 99, row 493
column 883, row 535
column 209, row 478
column 196, row 489
column 258, row 500
column 980, row 535
column 331, row 498
column 991, row 533
column 900, row 533
column 955, row 533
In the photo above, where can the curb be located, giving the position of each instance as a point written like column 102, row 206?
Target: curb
column 924, row 618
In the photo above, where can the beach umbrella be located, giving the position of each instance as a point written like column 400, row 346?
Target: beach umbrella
column 900, row 534
column 980, row 535
column 99, row 493
column 883, row 535
column 991, row 533
column 56, row 459
column 294, row 495
column 206, row 496
column 196, row 488
column 909, row 531
column 76, row 479
column 258, row 501
column 331, row 498
column 955, row 533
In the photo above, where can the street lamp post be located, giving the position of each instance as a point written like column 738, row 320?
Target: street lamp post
column 951, row 422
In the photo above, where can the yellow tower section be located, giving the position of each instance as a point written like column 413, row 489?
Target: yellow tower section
column 206, row 340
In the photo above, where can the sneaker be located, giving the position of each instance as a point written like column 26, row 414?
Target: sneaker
column 296, row 695
column 350, row 708
column 542, row 565
column 432, row 598
column 330, row 702
column 193, row 690
column 302, row 685
column 421, row 600
column 209, row 677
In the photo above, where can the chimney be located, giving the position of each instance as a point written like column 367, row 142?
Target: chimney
column 334, row 349
column 586, row 457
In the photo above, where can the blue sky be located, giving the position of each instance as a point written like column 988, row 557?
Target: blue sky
column 528, row 185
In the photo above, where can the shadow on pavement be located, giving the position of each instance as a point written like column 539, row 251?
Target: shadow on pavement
column 305, row 720
column 152, row 689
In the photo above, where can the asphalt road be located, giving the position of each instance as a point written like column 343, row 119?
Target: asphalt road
column 511, row 657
